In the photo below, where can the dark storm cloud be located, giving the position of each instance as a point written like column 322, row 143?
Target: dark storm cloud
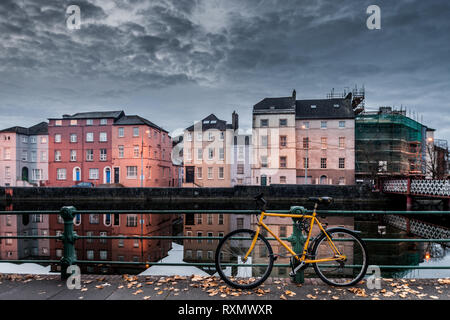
column 214, row 56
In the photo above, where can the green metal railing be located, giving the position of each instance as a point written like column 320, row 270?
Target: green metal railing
column 69, row 237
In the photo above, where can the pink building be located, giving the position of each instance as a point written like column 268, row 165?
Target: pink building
column 141, row 154
column 80, row 148
column 304, row 141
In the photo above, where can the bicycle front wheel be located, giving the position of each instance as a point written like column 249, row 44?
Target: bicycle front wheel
column 347, row 272
column 229, row 259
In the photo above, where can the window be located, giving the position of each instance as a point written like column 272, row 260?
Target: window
column 43, row 140
column 282, row 179
column 58, row 253
column 306, row 125
column 24, row 155
column 89, row 137
column 61, row 174
column 116, row 220
column 283, row 231
column 283, row 141
column 131, row 172
column 103, row 137
column 199, row 234
column 306, row 143
column 209, row 219
column 323, row 142
column 210, row 153
column 103, row 122
column 199, row 153
column 8, row 172
column 313, row 106
column 264, row 141
column 121, row 132
column 342, row 142
column 188, row 254
column 240, row 169
column 283, row 122
column 199, row 136
column 210, row 136
column 341, row 124
column 199, row 218
column 199, row 254
column 33, row 156
column 189, row 136
column 283, row 162
column 89, row 122
column 57, row 138
column 33, row 139
column 93, row 174
column 73, row 122
column 336, row 105
column 103, row 254
column 341, row 163
column 221, row 173
column 341, row 180
column 305, row 163
column 136, row 132
column 90, row 254
column 43, row 155
column 131, row 220
column 264, row 161
column 136, row 243
column 136, row 151
column 9, row 241
column 121, row 151
column 7, row 153
column 89, row 155
column 199, row 173
column 210, row 254
column 103, row 234
column 58, row 123
column 57, row 155
column 120, row 242
column 323, row 124
column 73, row 137
column 77, row 219
column 103, row 155
column 221, row 154
column 323, row 163
column 220, row 219
column 36, row 174
column 73, row 155
column 241, row 153
column 264, row 122
column 93, row 218
column 221, row 136
column 210, row 172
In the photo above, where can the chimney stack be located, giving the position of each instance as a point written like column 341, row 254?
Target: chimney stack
column 235, row 121
column 294, row 95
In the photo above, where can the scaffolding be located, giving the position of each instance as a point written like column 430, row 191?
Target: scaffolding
column 387, row 142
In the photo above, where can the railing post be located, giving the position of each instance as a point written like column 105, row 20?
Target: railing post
column 68, row 238
column 297, row 240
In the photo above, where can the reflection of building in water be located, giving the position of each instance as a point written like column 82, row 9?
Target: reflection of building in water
column 282, row 227
column 204, row 225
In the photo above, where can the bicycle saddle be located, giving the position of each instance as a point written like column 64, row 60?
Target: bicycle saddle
column 326, row 200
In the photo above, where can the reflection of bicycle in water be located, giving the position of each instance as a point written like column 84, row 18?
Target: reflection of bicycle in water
column 244, row 258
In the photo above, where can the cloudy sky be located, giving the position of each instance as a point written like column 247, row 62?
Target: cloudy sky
column 176, row 61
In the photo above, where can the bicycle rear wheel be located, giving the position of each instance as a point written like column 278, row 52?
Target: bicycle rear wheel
column 230, row 252
column 341, row 273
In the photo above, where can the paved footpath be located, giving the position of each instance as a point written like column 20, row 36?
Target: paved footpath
column 117, row 287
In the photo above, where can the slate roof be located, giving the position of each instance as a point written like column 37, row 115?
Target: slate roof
column 136, row 120
column 217, row 124
column 38, row 129
column 92, row 115
column 325, row 109
column 276, row 103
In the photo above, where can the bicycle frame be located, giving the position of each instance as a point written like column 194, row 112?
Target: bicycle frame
column 337, row 254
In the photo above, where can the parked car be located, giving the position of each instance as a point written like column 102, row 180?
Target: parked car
column 83, row 185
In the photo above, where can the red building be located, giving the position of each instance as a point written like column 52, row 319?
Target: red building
column 80, row 148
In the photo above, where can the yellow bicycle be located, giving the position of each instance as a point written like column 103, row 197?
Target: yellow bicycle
column 244, row 258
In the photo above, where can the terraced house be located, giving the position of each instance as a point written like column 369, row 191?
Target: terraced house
column 304, row 141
